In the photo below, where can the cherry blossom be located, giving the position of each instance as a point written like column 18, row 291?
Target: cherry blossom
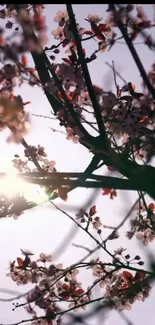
column 58, row 33
column 94, row 18
column 61, row 17
column 71, row 135
column 44, row 258
column 146, row 237
column 128, row 117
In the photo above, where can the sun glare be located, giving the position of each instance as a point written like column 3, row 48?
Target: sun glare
column 11, row 186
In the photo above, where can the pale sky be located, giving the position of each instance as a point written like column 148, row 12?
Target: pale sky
column 42, row 229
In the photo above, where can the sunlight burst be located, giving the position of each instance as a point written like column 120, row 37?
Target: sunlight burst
column 11, row 186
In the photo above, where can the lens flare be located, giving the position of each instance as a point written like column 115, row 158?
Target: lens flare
column 11, row 185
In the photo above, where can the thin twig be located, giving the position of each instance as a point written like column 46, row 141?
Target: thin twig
column 116, row 72
column 134, row 54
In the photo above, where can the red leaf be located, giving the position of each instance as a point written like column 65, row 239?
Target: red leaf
column 88, row 32
column 102, row 27
column 62, row 192
column 39, row 20
column 124, row 286
column 79, row 291
column 66, row 287
column 92, row 210
column 143, row 119
column 151, row 206
column 106, row 191
column 61, row 96
column 127, row 276
column 66, row 60
column 20, row 261
column 101, row 37
column 24, row 60
column 111, row 169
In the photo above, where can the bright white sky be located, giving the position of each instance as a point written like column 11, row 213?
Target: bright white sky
column 42, row 229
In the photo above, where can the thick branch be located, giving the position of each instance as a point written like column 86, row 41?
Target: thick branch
column 87, row 77
column 56, row 180
column 42, row 65
column 29, row 205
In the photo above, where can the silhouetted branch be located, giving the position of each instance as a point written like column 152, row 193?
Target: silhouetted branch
column 134, row 53
column 87, row 78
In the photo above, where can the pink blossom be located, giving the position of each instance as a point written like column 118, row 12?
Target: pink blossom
column 97, row 224
column 59, row 33
column 125, row 305
column 146, row 237
column 72, row 275
column 84, row 97
column 102, row 46
column 94, row 18
column 71, row 135
column 44, row 258
column 80, row 301
column 61, row 17
column 97, row 270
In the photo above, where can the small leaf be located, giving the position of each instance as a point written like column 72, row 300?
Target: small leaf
column 88, row 32
column 66, row 60
column 20, row 261
column 111, row 169
column 62, row 192
column 24, row 60
column 127, row 276
column 79, row 292
column 106, row 191
column 92, row 210
column 151, row 206
column 102, row 27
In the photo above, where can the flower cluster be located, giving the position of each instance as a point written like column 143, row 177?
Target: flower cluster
column 118, row 285
column 128, row 117
column 13, row 116
column 134, row 25
column 25, row 164
column 90, row 218
column 55, row 284
column 143, row 225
